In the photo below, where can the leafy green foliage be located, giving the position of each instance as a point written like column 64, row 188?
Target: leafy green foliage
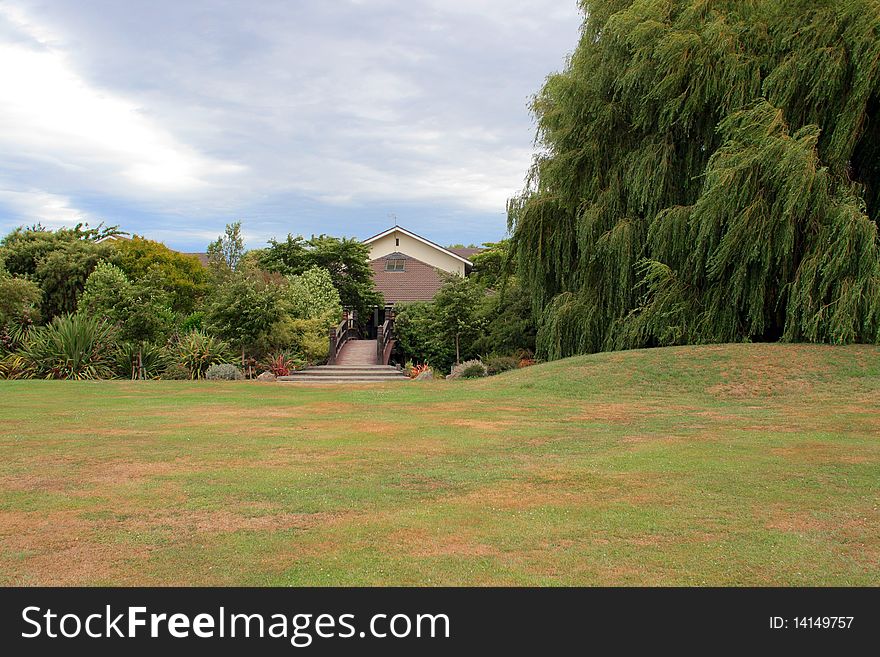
column 242, row 310
column 311, row 295
column 499, row 364
column 225, row 254
column 59, row 261
column 492, row 265
column 181, row 276
column 19, row 299
column 197, row 351
column 193, row 322
column 456, row 305
column 25, row 247
column 153, row 359
column 305, row 337
column 420, row 337
column 62, row 275
column 708, row 172
column 140, row 310
column 507, row 321
column 346, row 260
column 70, row 347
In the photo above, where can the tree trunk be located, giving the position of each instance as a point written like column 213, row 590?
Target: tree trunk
column 457, row 352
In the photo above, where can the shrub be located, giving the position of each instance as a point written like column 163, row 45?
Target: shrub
column 282, row 364
column 470, row 369
column 193, row 322
column 175, row 372
column 223, row 372
column 305, row 337
column 498, row 364
column 413, row 371
column 154, row 359
column 19, row 300
column 197, row 351
column 14, row 366
column 71, row 347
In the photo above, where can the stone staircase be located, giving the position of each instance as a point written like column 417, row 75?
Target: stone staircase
column 356, row 363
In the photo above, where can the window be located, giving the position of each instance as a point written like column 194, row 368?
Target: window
column 396, row 241
column 395, row 264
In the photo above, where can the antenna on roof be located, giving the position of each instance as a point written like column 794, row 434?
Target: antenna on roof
column 393, row 216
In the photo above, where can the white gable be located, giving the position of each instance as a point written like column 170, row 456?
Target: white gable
column 400, row 240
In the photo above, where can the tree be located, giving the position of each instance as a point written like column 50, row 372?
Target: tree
column 25, row 247
column 347, row 261
column 140, row 311
column 181, row 276
column 225, row 254
column 419, row 335
column 311, row 295
column 508, row 324
column 707, row 172
column 63, row 272
column 58, row 261
column 243, row 309
column 493, row 264
column 19, row 299
column 456, row 305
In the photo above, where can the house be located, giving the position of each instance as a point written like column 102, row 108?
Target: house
column 408, row 267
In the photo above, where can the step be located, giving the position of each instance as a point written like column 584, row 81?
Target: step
column 346, row 373
column 341, row 379
column 354, row 372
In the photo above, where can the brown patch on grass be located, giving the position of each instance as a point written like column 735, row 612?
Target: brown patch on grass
column 227, row 521
column 82, row 564
column 61, row 549
column 486, row 425
column 624, row 412
column 763, row 373
column 757, row 388
column 419, row 543
column 123, row 472
column 812, row 452
column 565, row 490
column 421, row 484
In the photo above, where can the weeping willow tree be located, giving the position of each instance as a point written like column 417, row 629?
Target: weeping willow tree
column 708, row 170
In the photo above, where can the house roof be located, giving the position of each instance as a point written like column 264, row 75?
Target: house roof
column 419, row 238
column 466, row 251
column 203, row 257
column 418, row 282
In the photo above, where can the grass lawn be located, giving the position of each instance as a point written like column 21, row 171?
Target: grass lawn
column 725, row 465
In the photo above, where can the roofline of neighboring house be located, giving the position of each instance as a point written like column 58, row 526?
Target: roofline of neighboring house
column 420, row 239
column 113, row 238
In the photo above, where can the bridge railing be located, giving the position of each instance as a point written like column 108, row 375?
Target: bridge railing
column 346, row 330
column 385, row 340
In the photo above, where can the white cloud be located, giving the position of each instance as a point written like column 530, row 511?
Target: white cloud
column 45, row 107
column 203, row 112
column 35, row 206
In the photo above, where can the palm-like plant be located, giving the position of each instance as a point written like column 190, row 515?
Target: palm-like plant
column 151, row 358
column 197, row 351
column 71, row 347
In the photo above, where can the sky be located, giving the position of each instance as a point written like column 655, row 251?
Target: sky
column 342, row 117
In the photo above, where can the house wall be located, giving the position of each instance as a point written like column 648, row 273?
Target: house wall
column 416, row 249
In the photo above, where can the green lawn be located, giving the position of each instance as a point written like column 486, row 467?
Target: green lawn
column 728, row 465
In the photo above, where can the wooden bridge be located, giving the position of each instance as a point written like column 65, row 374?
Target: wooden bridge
column 354, row 360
